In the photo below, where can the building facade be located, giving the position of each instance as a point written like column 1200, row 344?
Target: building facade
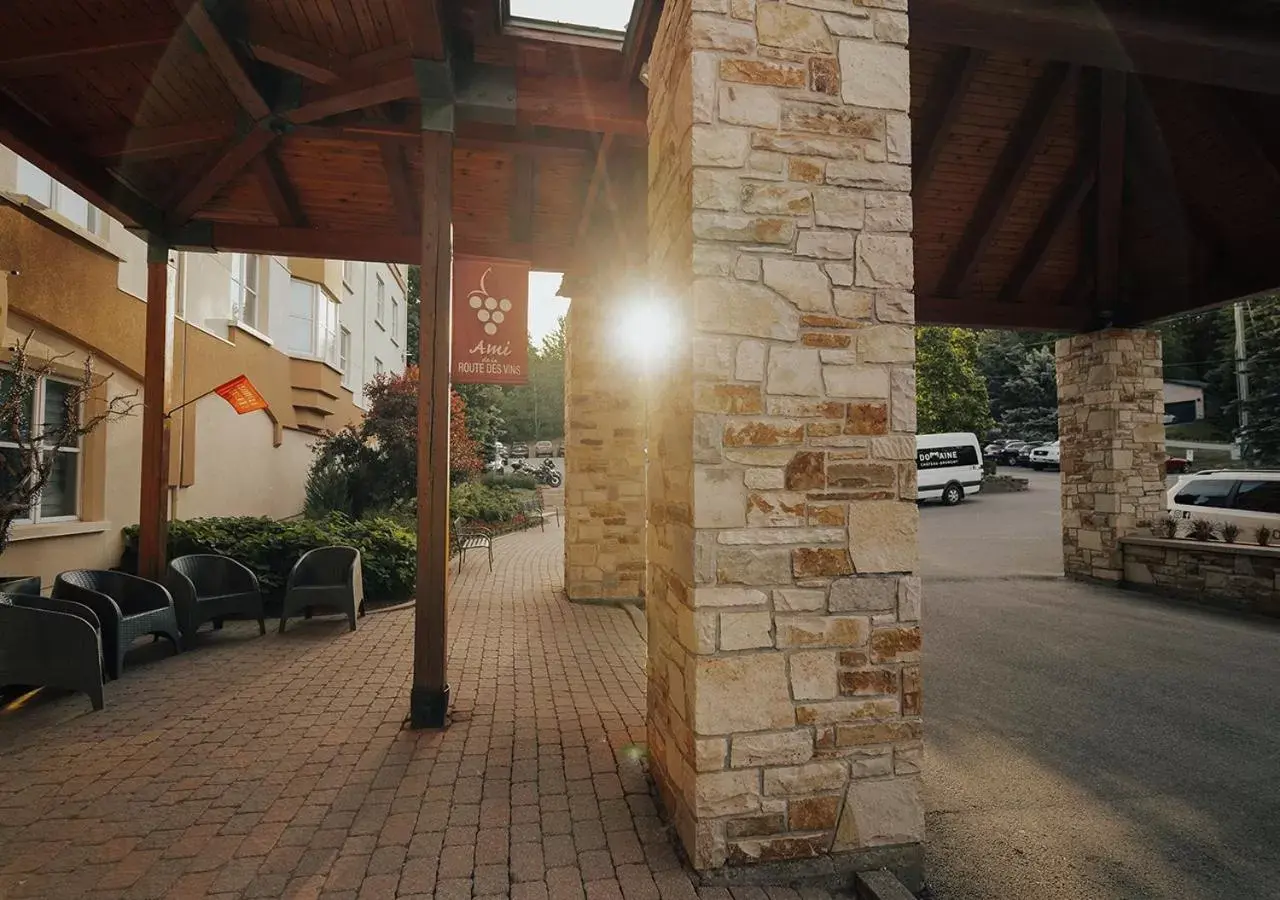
column 309, row 334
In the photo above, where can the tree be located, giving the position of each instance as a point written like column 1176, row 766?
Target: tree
column 1019, row 369
column 1261, row 437
column 951, row 394
column 28, row 463
column 413, row 314
column 535, row 411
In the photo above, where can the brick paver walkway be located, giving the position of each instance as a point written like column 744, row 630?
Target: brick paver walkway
column 277, row 766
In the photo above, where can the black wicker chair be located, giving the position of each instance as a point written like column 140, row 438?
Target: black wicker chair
column 127, row 606
column 470, row 537
column 327, row 577
column 46, row 642
column 209, row 588
column 20, row 584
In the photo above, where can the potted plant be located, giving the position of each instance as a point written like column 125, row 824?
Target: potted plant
column 26, row 459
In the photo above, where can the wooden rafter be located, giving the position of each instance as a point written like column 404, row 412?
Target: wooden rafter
column 158, row 142
column 1112, row 89
column 523, row 197
column 97, row 44
column 639, row 39
column 370, row 89
column 278, row 189
column 1027, row 138
column 1220, row 110
column 403, row 196
column 1063, row 208
column 230, row 163
column 294, row 54
column 970, row 313
column 1196, row 48
column 424, row 27
column 941, row 108
column 224, row 59
column 599, row 174
column 36, row 141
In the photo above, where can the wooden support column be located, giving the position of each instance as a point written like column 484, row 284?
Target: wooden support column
column 429, row 698
column 153, row 507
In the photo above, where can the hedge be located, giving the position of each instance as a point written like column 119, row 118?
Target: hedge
column 388, row 550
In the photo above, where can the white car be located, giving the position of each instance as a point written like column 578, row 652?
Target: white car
column 1249, row 498
column 1046, row 456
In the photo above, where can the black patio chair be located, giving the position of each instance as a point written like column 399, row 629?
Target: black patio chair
column 327, row 577
column 127, row 607
column 210, row 588
column 470, row 537
column 46, row 642
column 20, row 584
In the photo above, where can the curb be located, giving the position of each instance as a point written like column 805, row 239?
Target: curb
column 880, row 884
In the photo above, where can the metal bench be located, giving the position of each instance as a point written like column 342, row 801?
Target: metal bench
column 470, row 537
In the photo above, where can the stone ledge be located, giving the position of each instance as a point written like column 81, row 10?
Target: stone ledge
column 881, row 884
column 833, row 872
column 1186, row 545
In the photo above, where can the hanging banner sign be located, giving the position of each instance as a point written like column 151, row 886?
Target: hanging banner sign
column 242, row 395
column 490, row 321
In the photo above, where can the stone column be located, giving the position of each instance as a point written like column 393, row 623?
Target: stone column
column 604, row 461
column 1110, row 422
column 784, row 638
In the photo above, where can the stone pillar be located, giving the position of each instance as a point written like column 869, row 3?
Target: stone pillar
column 604, row 461
column 784, row 637
column 1111, row 424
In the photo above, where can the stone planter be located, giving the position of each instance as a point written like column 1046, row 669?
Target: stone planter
column 1242, row 577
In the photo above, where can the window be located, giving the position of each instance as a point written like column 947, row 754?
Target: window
column 1207, row 493
column 1258, row 496
column 378, row 367
column 244, row 289
column 395, row 320
column 348, row 274
column 344, row 352
column 312, row 328
column 50, row 194
column 51, row 404
column 380, row 301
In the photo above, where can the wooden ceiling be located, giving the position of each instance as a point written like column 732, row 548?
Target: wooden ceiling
column 1076, row 162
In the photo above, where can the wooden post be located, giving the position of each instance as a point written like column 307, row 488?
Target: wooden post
column 158, row 361
column 429, row 698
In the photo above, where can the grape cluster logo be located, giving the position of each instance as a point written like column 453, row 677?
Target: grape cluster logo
column 490, row 311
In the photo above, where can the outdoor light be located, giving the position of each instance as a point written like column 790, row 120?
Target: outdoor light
column 645, row 330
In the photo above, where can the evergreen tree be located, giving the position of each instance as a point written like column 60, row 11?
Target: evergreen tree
column 1261, row 437
column 951, row 394
column 1019, row 370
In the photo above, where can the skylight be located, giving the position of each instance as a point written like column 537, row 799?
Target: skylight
column 607, row 15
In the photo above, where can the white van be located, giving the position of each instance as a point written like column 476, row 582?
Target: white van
column 1249, row 498
column 948, row 467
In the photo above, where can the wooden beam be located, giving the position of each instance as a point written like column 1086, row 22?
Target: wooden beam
column 278, row 189
column 224, row 59
column 153, row 502
column 599, row 174
column 1063, row 208
column 1025, row 141
column 1112, row 88
column 232, row 161
column 158, row 142
column 1231, row 120
column 638, row 43
column 424, row 27
column 312, row 61
column 469, row 136
column 369, row 88
column 968, row 313
column 941, row 107
column 403, row 197
column 24, row 54
column 523, row 197
column 429, row 695
column 51, row 150
column 1207, row 48
column 575, row 103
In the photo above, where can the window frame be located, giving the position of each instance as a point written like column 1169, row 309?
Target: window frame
column 379, row 367
column 379, row 301
column 35, row 515
column 242, row 264
column 395, row 320
column 325, row 325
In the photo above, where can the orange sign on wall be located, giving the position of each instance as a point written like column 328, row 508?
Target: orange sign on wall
column 242, row 395
column 490, row 321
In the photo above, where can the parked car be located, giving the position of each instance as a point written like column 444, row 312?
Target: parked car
column 992, row 450
column 1176, row 465
column 543, row 448
column 1024, row 453
column 520, row 450
column 1249, row 498
column 1046, row 455
column 1009, row 453
column 948, row 467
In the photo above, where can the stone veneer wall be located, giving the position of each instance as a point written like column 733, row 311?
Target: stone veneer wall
column 1240, row 577
column 604, row 462
column 784, row 686
column 1110, row 422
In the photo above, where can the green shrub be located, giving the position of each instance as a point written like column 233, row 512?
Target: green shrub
column 388, row 550
column 520, row 482
column 1203, row 530
column 479, row 502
